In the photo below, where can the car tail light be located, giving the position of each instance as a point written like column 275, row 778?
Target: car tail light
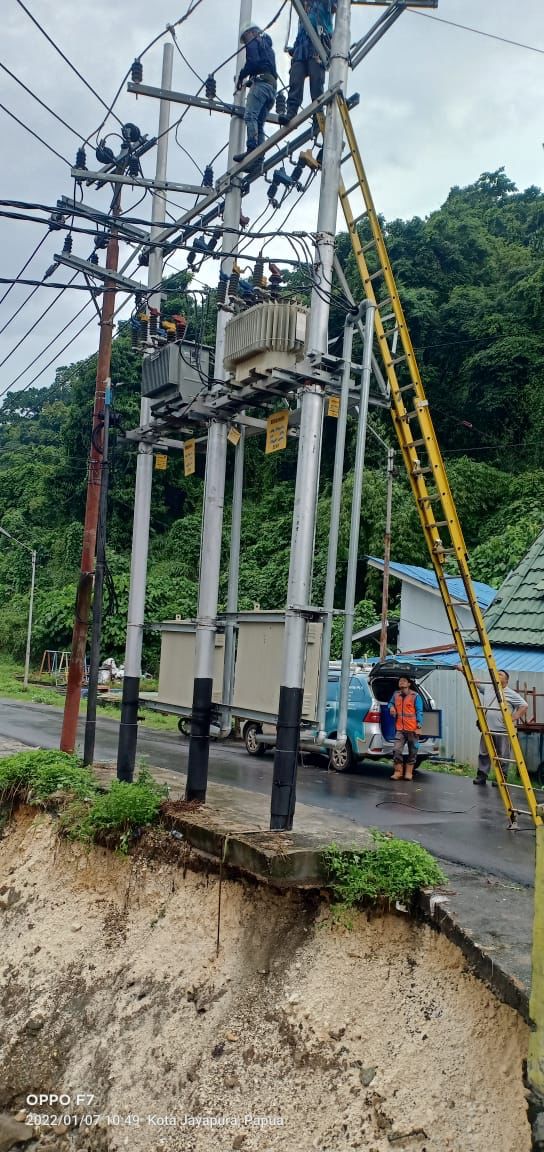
column 373, row 715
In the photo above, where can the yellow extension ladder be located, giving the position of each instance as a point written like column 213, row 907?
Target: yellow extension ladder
column 422, row 457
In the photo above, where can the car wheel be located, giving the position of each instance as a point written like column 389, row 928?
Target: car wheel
column 253, row 746
column 341, row 759
column 184, row 726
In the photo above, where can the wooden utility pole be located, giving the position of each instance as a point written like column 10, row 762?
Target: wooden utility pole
column 94, row 480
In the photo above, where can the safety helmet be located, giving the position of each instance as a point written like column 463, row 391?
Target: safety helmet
column 248, row 26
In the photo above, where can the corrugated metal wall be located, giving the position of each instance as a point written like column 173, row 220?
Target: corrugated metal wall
column 460, row 737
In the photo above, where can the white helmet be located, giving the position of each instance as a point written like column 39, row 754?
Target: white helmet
column 248, row 26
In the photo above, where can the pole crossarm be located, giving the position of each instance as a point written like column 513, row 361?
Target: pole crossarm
column 139, row 182
column 194, row 101
column 121, row 282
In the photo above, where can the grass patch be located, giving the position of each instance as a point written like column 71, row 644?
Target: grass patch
column 86, row 812
column 449, row 768
column 392, row 870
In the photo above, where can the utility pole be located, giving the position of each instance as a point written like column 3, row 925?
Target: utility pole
column 98, row 595
column 307, row 482
column 85, row 584
column 128, row 728
column 387, row 551
column 214, row 492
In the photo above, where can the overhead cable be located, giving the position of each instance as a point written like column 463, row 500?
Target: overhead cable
column 477, row 31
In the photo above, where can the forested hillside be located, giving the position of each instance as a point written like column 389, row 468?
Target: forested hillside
column 472, row 281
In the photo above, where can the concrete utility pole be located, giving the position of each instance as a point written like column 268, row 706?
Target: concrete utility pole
column 387, row 551
column 128, row 728
column 85, row 585
column 214, row 493
column 307, row 482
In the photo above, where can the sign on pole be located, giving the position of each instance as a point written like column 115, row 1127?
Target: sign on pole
column 161, row 462
column 276, row 431
column 189, row 454
column 333, row 408
column 233, row 436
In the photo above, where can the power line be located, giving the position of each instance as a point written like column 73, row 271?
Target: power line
column 25, row 266
column 34, row 134
column 65, row 58
column 477, row 31
column 41, row 102
column 30, row 331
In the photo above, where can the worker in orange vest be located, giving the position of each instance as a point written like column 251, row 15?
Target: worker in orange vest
column 407, row 708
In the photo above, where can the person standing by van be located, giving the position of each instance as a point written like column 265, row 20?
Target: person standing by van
column 407, row 707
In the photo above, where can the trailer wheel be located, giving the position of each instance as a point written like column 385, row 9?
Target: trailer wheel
column 253, row 746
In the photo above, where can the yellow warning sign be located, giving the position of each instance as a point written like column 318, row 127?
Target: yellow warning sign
column 161, row 462
column 233, row 436
column 189, row 455
column 276, row 431
column 334, row 407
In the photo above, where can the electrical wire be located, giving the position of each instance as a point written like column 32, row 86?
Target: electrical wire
column 41, row 102
column 25, row 266
column 66, row 60
column 41, row 317
column 477, row 31
column 35, row 135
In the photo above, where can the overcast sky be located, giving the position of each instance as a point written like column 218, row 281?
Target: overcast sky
column 439, row 106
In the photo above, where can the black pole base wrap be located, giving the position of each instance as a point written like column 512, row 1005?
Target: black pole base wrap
column 199, row 746
column 284, row 781
column 128, row 729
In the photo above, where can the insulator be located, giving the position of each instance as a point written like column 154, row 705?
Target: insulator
column 133, row 166
column 214, row 240
column 258, row 273
column 234, row 281
column 191, row 259
column 93, row 258
column 104, row 155
column 144, row 323
column 154, row 316
column 244, row 221
column 211, row 87
column 131, row 133
column 143, row 259
column 272, row 191
column 137, row 72
column 67, row 246
column 297, row 172
column 101, row 240
column 138, row 302
column 281, row 104
column 170, row 330
column 200, row 244
column 181, row 325
column 81, row 158
column 222, row 288
column 56, row 220
column 135, row 331
column 275, row 281
column 207, row 179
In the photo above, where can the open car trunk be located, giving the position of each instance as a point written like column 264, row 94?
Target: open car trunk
column 384, row 680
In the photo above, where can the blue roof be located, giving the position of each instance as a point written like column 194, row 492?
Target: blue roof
column 511, row 659
column 425, row 577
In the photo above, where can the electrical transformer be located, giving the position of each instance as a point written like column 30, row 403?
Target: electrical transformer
column 266, row 338
column 176, row 371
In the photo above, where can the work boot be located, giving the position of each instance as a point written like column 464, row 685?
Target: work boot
column 251, row 146
column 480, row 779
column 397, row 774
column 409, row 772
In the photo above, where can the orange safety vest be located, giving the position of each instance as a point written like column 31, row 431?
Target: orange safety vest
column 405, row 711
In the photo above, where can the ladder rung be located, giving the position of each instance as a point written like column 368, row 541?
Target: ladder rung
column 347, row 191
column 407, row 388
column 381, row 303
column 390, row 316
column 444, row 524
column 393, row 363
column 429, row 498
column 425, row 471
column 361, row 216
column 417, row 443
column 374, row 276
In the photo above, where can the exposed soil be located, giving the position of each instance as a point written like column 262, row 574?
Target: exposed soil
column 302, row 1034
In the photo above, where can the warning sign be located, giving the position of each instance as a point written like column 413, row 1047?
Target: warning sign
column 233, row 436
column 276, row 431
column 161, row 462
column 334, row 407
column 189, row 455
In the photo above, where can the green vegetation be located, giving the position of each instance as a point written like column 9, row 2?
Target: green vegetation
column 392, row 870
column 472, row 280
column 448, row 767
column 87, row 813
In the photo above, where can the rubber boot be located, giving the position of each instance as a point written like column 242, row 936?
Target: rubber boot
column 397, row 774
column 409, row 772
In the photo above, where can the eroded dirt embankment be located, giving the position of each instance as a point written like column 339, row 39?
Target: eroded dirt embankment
column 300, row 1035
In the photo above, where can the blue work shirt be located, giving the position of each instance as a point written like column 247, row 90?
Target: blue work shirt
column 320, row 13
column 260, row 58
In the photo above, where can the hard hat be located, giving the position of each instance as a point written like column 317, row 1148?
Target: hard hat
column 248, row 26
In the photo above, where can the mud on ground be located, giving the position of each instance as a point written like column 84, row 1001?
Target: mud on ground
column 303, row 1033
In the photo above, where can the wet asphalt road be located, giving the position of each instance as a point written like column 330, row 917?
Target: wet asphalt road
column 446, row 814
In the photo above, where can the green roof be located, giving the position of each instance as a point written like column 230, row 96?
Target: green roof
column 516, row 616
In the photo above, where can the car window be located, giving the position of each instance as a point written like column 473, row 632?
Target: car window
column 358, row 692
